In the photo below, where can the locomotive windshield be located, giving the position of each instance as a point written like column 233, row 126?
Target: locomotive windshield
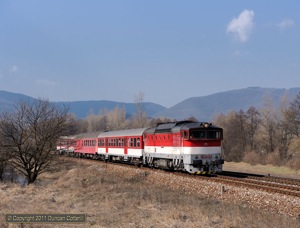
column 205, row 134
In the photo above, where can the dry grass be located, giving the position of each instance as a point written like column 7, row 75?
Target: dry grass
column 280, row 171
column 123, row 198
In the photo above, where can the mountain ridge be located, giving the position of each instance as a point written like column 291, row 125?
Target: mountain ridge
column 202, row 107
column 222, row 102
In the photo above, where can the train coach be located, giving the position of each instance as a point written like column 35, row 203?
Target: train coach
column 194, row 147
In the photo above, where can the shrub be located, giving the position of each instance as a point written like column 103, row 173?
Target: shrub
column 274, row 158
column 252, row 158
column 294, row 164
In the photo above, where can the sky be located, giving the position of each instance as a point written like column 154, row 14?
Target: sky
column 167, row 50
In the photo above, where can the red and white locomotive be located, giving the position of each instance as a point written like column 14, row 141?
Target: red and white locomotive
column 189, row 146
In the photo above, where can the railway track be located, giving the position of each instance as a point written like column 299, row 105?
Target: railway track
column 273, row 185
column 270, row 184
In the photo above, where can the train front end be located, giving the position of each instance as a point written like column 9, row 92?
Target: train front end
column 202, row 148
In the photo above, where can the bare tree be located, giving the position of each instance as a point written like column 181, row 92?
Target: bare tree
column 96, row 122
column 3, row 161
column 270, row 125
column 232, row 130
column 295, row 115
column 253, row 117
column 29, row 135
column 116, row 119
column 140, row 120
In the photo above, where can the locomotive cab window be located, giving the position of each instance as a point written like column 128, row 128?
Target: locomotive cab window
column 214, row 134
column 200, row 134
column 197, row 135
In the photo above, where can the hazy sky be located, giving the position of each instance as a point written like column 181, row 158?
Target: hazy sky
column 170, row 50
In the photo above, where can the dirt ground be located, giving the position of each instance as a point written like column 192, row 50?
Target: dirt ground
column 113, row 196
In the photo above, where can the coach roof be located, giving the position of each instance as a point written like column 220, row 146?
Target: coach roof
column 88, row 135
column 129, row 132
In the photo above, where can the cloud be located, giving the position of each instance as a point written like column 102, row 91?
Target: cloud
column 13, row 69
column 286, row 23
column 242, row 26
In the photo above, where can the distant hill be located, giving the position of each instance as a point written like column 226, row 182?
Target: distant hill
column 206, row 107
column 203, row 108
column 81, row 108
column 8, row 99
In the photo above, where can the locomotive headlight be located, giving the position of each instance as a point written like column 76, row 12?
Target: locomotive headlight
column 206, row 125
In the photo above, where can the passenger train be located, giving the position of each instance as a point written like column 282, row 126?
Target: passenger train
column 194, row 147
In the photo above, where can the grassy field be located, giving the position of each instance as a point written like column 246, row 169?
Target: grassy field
column 262, row 169
column 112, row 198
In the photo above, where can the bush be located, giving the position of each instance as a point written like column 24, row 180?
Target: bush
column 274, row 158
column 252, row 158
column 294, row 164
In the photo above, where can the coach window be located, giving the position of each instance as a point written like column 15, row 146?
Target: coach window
column 138, row 142
column 134, row 142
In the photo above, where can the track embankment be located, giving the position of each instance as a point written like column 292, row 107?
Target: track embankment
column 263, row 193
